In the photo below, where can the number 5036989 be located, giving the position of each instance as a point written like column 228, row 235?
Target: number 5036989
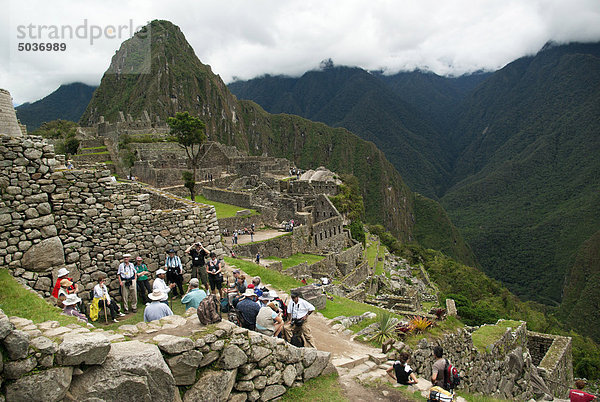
column 42, row 47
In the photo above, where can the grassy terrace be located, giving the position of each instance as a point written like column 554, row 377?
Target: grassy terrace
column 100, row 147
column 488, row 334
column 297, row 259
column 224, row 210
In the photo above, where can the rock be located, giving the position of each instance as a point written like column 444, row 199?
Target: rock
column 46, row 386
column 232, row 357
column 212, row 386
column 289, row 375
column 16, row 344
column 318, row 365
column 129, row 330
column 5, row 327
column 173, row 344
column 274, row 378
column 57, row 332
column 245, row 386
column 132, row 371
column 44, row 345
column 46, row 325
column 237, row 397
column 272, row 392
column 87, row 348
column 46, row 254
column 209, row 358
column 259, row 353
column 183, row 367
column 17, row 368
column 253, row 396
column 260, row 382
column 309, row 357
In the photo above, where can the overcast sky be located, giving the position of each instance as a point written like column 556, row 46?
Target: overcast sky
column 247, row 38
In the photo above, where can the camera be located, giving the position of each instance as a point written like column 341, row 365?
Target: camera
column 297, row 321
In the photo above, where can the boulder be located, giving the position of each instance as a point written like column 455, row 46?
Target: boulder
column 44, row 345
column 46, row 386
column 132, row 371
column 258, row 353
column 272, row 392
column 318, row 365
column 87, row 348
column 46, row 254
column 16, row 344
column 232, row 357
column 16, row 369
column 5, row 327
column 212, row 386
column 172, row 344
column 183, row 367
column 289, row 375
column 209, row 358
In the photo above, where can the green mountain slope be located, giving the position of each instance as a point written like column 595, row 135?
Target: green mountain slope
column 68, row 102
column 361, row 102
column 528, row 169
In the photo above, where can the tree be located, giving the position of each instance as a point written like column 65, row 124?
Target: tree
column 189, row 131
column 189, row 183
column 71, row 146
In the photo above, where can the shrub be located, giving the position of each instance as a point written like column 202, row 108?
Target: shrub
column 419, row 324
column 386, row 328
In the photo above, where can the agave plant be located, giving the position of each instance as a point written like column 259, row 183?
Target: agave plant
column 420, row 324
column 387, row 325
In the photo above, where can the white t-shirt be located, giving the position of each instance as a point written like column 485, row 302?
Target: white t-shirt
column 160, row 284
column 301, row 309
column 100, row 292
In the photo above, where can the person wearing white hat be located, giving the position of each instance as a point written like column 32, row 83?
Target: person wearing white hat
column 127, row 276
column 161, row 285
column 249, row 309
column 156, row 310
column 70, row 307
column 63, row 274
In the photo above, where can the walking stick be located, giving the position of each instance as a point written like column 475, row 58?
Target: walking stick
column 105, row 308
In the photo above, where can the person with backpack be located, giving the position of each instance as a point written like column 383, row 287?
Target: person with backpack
column 444, row 377
column 401, row 371
column 298, row 312
column 437, row 371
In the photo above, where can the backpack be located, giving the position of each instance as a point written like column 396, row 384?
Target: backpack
column 209, row 310
column 451, row 376
column 225, row 305
column 297, row 341
column 282, row 308
column 438, row 394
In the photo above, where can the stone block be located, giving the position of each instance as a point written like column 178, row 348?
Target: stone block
column 46, row 386
column 46, row 254
column 212, row 386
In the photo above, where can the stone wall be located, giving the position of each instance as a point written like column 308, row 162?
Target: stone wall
column 329, row 234
column 553, row 356
column 358, row 275
column 8, row 119
column 46, row 362
column 333, row 265
column 239, row 198
column 282, row 247
column 503, row 371
column 86, row 221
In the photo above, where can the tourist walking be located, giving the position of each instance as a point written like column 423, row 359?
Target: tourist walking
column 143, row 282
column 198, row 253
column 174, row 272
column 127, row 275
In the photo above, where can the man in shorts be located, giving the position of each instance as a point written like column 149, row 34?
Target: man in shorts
column 198, row 253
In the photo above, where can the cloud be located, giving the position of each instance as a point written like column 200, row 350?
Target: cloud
column 244, row 39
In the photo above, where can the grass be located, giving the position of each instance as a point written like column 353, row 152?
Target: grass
column 488, row 334
column 297, row 259
column 15, row 300
column 276, row 279
column 97, row 153
column 379, row 265
column 324, row 388
column 346, row 307
column 224, row 210
column 372, row 247
column 100, row 147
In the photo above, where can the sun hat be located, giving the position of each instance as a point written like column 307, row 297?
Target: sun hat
column 65, row 282
column 156, row 295
column 62, row 272
column 273, row 294
column 71, row 299
column 160, row 271
column 249, row 293
column 266, row 296
column 126, row 255
column 172, row 250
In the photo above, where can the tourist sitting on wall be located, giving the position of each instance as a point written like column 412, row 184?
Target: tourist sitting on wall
column 127, row 275
column 70, row 308
column 298, row 312
column 214, row 270
column 257, row 286
column 282, row 306
column 102, row 300
column 248, row 309
column 401, row 371
column 63, row 292
column 63, row 273
column 268, row 320
column 174, row 272
column 160, row 285
column 579, row 395
column 194, row 296
column 198, row 253
column 156, row 310
column 143, row 282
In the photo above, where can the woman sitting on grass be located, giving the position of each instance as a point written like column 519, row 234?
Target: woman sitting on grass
column 402, row 372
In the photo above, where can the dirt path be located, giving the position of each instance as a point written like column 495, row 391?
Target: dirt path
column 258, row 236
